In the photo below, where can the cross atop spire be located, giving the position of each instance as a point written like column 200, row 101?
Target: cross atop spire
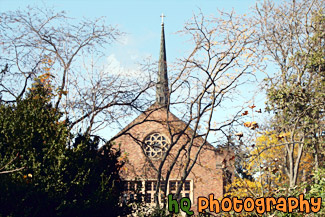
column 162, row 91
column 162, row 18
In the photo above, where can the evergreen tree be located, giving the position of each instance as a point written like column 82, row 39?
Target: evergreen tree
column 41, row 174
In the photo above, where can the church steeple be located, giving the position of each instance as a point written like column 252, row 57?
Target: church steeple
column 162, row 91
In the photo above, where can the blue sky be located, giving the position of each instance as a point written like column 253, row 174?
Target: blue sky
column 140, row 20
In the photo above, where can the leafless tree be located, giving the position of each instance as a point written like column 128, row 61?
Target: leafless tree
column 221, row 60
column 36, row 41
column 202, row 86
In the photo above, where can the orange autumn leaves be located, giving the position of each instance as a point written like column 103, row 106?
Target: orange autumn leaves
column 244, row 113
column 251, row 107
column 249, row 124
column 282, row 136
column 253, row 125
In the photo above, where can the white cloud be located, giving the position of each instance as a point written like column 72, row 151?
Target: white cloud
column 114, row 66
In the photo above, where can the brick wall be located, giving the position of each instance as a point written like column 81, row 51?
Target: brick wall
column 206, row 175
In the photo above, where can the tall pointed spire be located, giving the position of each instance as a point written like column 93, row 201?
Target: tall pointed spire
column 162, row 91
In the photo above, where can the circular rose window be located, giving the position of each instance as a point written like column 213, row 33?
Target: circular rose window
column 155, row 145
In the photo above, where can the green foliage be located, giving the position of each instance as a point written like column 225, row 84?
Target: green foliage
column 297, row 96
column 317, row 189
column 55, row 179
column 300, row 92
column 31, row 129
column 89, row 179
column 144, row 210
column 160, row 212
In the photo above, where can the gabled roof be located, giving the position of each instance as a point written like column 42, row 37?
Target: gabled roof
column 174, row 121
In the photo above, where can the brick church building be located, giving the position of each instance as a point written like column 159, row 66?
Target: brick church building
column 158, row 135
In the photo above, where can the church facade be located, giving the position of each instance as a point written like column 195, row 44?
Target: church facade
column 158, row 135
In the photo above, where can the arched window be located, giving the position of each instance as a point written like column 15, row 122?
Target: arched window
column 155, row 145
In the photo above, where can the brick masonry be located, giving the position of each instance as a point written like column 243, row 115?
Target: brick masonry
column 207, row 173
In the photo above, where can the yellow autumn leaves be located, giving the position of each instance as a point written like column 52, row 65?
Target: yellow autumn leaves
column 251, row 125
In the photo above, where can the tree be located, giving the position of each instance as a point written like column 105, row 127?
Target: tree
column 265, row 166
column 48, row 46
column 285, row 158
column 89, row 180
column 30, row 129
column 291, row 36
column 57, row 178
column 204, row 81
column 38, row 40
column 209, row 76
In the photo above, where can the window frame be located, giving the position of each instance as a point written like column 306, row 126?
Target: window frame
column 144, row 191
column 151, row 149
